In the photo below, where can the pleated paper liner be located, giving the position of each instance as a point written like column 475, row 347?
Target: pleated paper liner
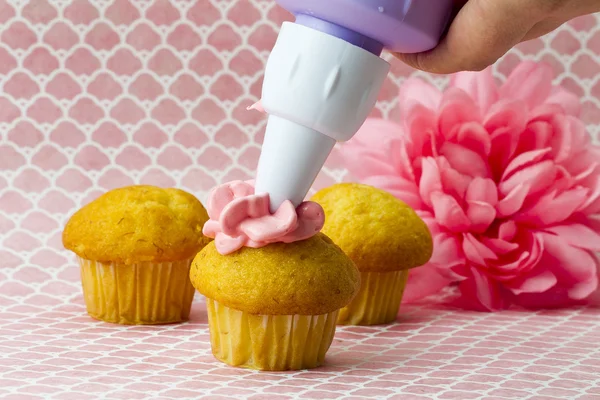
column 143, row 293
column 378, row 300
column 269, row 342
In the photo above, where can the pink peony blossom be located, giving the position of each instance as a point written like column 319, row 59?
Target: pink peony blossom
column 506, row 179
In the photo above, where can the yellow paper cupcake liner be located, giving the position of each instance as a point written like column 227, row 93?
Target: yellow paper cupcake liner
column 269, row 342
column 143, row 293
column 378, row 300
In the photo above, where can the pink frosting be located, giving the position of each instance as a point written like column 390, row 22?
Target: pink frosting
column 257, row 106
column 238, row 218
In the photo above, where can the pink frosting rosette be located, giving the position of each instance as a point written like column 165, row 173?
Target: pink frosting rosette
column 239, row 218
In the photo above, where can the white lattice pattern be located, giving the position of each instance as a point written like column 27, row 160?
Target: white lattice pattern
column 99, row 94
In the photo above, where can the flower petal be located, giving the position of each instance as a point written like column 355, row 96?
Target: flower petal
column 421, row 131
column 570, row 264
column 481, row 214
column 583, row 176
column 531, row 251
column 592, row 203
column 577, row 235
column 473, row 136
column 448, row 212
column 415, row 91
column 593, row 222
column 539, row 281
column 583, row 160
column 579, row 136
column 453, row 182
column 530, row 82
column 400, row 188
column 476, row 252
column 401, row 161
column 537, row 177
column 373, row 134
column 456, row 109
column 563, row 142
column 568, row 101
column 506, row 115
column 368, row 152
column 583, row 290
column 430, row 221
column 500, row 246
column 482, row 293
column 479, row 85
column 525, row 160
column 446, row 250
column 507, row 230
column 362, row 164
column 430, row 180
column 557, row 297
column 464, row 160
column 422, row 282
column 564, row 294
column 483, row 190
column 513, row 201
column 552, row 208
column 536, row 136
column 513, row 269
column 564, row 180
column 504, row 145
column 545, row 113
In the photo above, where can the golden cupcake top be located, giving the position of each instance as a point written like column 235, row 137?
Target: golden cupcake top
column 309, row 277
column 376, row 230
column 136, row 224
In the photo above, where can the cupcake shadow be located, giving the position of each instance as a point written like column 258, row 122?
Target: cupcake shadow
column 378, row 347
column 198, row 315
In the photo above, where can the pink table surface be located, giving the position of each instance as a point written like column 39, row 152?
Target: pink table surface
column 100, row 94
column 56, row 351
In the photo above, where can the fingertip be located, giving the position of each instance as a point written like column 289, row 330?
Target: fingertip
column 479, row 35
column 408, row 59
column 430, row 62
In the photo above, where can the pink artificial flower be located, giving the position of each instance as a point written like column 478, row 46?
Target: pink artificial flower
column 506, row 179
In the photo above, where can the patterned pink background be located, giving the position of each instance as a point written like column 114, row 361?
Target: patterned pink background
column 100, row 94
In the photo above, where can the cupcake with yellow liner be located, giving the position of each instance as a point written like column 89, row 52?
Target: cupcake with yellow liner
column 135, row 246
column 384, row 237
column 273, row 284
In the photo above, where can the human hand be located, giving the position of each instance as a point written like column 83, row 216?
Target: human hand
column 484, row 30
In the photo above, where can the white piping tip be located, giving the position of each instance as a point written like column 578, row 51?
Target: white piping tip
column 291, row 158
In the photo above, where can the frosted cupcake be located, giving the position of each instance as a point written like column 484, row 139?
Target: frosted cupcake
column 135, row 246
column 384, row 237
column 273, row 285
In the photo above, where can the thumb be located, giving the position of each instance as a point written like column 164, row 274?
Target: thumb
column 481, row 33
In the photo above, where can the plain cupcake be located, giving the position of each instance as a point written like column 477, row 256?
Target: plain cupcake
column 135, row 246
column 275, row 307
column 384, row 237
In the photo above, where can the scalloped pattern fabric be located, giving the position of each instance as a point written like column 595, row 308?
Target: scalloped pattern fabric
column 100, row 94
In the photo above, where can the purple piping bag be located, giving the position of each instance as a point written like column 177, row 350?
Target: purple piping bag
column 405, row 26
column 323, row 77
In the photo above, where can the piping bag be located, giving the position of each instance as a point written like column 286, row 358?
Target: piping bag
column 323, row 77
